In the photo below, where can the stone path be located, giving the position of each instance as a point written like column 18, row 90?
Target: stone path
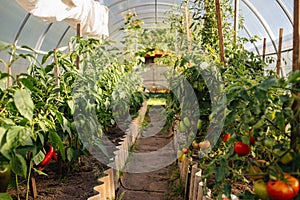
column 150, row 165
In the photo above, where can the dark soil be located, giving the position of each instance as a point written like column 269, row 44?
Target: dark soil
column 77, row 184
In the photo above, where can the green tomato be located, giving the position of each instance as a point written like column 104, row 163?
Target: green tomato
column 286, row 159
column 181, row 127
column 260, row 189
column 199, row 124
column 186, row 122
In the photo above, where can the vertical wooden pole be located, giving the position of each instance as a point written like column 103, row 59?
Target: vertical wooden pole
column 295, row 134
column 70, row 45
column 236, row 20
column 279, row 52
column 78, row 34
column 220, row 32
column 197, row 180
column 194, row 170
column 56, row 68
column 188, row 24
column 264, row 49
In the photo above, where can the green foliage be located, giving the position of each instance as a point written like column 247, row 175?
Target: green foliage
column 41, row 108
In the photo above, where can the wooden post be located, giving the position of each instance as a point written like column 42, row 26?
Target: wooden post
column 70, row 45
column 197, row 180
column 192, row 179
column 78, row 34
column 236, row 20
column 188, row 24
column 264, row 49
column 56, row 68
column 220, row 32
column 200, row 191
column 33, row 186
column 295, row 133
column 279, row 52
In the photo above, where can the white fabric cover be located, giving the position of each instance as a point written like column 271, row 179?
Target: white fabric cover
column 91, row 14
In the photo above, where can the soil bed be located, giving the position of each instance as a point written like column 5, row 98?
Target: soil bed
column 75, row 185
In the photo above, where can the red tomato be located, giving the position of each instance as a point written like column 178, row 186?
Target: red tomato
column 241, row 148
column 185, row 150
column 226, row 137
column 285, row 189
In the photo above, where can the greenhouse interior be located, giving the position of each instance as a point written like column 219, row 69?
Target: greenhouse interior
column 150, row 100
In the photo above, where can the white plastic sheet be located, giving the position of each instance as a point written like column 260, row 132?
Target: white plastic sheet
column 92, row 15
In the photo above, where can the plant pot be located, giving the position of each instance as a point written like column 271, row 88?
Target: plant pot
column 4, row 177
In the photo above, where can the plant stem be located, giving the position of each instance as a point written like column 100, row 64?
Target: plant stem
column 28, row 182
column 17, row 187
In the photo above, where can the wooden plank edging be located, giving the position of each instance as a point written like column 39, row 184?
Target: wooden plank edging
column 106, row 190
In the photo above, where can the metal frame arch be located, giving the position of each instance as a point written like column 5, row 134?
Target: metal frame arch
column 42, row 37
column 285, row 10
column 262, row 21
column 139, row 6
column 63, row 35
column 21, row 27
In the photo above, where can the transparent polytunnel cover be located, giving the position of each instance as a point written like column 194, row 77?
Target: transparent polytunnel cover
column 262, row 18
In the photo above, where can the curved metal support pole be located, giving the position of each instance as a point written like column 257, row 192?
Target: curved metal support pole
column 42, row 37
column 22, row 25
column 62, row 37
column 263, row 22
column 285, row 10
column 15, row 41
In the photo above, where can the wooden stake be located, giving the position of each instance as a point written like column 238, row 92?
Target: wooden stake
column 70, row 45
column 197, row 180
column 279, row 52
column 33, row 187
column 194, row 170
column 188, row 24
column 56, row 68
column 236, row 19
column 9, row 79
column 264, row 49
column 78, row 34
column 295, row 134
column 220, row 32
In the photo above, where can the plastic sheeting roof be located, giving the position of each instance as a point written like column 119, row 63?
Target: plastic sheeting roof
column 261, row 18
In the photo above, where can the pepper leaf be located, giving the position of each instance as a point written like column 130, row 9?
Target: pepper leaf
column 19, row 165
column 5, row 196
column 55, row 139
column 38, row 158
column 24, row 103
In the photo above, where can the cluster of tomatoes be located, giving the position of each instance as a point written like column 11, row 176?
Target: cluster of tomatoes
column 283, row 186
